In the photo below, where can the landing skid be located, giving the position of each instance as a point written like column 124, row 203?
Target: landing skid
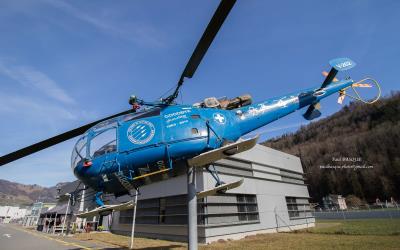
column 107, row 209
column 222, row 152
column 219, row 189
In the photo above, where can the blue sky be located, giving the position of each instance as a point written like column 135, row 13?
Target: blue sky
column 65, row 63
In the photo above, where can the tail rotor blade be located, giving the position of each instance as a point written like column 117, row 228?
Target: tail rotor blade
column 362, row 85
column 342, row 95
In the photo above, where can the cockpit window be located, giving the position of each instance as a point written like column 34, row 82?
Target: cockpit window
column 144, row 114
column 104, row 142
column 106, row 124
column 79, row 151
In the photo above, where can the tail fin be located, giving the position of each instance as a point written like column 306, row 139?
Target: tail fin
column 324, row 73
column 338, row 64
column 313, row 111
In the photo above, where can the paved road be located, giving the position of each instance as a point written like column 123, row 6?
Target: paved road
column 13, row 237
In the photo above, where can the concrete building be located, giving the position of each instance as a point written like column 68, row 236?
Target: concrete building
column 273, row 198
column 32, row 216
column 10, row 213
column 72, row 198
column 334, row 201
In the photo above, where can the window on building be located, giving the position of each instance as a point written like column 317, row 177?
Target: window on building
column 162, row 210
column 172, row 210
column 292, row 207
column 231, row 209
column 247, row 207
column 292, row 177
column 167, row 210
column 298, row 207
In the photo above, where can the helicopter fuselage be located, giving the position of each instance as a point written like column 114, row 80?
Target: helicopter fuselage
column 135, row 146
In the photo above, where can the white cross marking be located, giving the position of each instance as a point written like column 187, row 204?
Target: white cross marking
column 219, row 118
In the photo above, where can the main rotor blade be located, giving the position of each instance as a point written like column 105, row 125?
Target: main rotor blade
column 208, row 36
column 53, row 140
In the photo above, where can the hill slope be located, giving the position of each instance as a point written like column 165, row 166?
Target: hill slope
column 12, row 193
column 354, row 151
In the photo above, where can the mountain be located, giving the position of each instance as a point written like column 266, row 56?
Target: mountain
column 12, row 193
column 355, row 151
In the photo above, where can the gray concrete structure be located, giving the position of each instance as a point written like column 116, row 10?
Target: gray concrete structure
column 272, row 198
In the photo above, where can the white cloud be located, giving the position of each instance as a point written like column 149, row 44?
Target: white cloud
column 22, row 105
column 142, row 34
column 28, row 76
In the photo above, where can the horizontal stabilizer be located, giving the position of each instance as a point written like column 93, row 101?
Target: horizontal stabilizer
column 338, row 64
column 107, row 209
column 341, row 64
column 313, row 111
column 222, row 152
column 219, row 189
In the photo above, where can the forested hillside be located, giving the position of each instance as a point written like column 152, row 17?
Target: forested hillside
column 12, row 193
column 354, row 151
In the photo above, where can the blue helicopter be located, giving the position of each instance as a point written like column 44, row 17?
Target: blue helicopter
column 157, row 140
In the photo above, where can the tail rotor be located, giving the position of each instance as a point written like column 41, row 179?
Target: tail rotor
column 364, row 83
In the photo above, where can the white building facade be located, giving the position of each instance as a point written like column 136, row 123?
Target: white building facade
column 273, row 198
column 11, row 213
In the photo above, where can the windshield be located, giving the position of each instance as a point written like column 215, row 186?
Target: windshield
column 143, row 114
column 79, row 151
column 103, row 142
column 103, row 136
column 128, row 117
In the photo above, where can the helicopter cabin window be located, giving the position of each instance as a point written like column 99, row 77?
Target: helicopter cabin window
column 104, row 142
column 79, row 151
column 142, row 114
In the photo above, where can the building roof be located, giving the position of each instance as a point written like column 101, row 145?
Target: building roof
column 59, row 209
column 69, row 188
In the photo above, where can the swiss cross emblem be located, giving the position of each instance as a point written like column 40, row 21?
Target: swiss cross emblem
column 219, row 118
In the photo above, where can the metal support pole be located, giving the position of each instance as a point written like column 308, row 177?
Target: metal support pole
column 55, row 223
column 192, row 209
column 134, row 219
column 305, row 215
column 276, row 220
column 66, row 213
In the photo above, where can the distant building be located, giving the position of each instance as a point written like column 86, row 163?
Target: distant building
column 334, row 201
column 74, row 193
column 32, row 216
column 11, row 213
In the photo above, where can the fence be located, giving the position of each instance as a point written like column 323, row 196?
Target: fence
column 388, row 213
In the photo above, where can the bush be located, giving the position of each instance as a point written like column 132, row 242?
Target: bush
column 353, row 201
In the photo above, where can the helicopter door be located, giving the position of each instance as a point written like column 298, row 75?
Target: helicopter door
column 185, row 130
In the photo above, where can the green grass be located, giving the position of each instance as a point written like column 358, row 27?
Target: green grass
column 328, row 234
column 358, row 227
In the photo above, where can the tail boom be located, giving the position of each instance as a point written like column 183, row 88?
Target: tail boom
column 260, row 114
